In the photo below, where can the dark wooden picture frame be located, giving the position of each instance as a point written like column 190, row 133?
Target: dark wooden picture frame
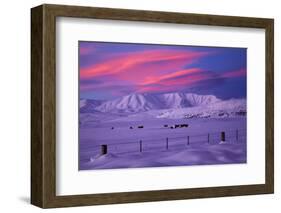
column 43, row 105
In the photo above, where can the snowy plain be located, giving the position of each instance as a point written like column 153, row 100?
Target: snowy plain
column 139, row 130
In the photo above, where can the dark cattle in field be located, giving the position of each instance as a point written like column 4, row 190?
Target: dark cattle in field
column 184, row 125
column 131, row 127
column 243, row 113
column 180, row 126
column 166, row 125
column 172, row 127
column 112, row 127
column 140, row 127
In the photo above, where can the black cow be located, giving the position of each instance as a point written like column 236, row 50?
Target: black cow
column 184, row 125
column 140, row 127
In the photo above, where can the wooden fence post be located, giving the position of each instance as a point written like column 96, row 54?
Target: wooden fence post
column 140, row 145
column 167, row 143
column 103, row 149
column 187, row 140
column 223, row 136
column 237, row 135
column 208, row 138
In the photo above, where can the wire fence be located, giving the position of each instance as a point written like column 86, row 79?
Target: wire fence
column 161, row 143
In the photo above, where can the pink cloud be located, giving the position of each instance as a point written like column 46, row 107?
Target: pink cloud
column 235, row 73
column 146, row 71
column 176, row 82
column 136, row 66
column 85, row 50
column 157, row 79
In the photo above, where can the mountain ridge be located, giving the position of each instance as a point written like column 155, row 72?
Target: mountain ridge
column 142, row 102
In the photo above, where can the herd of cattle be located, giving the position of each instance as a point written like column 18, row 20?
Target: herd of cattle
column 175, row 126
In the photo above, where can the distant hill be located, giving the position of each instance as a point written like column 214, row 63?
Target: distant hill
column 89, row 105
column 169, row 105
column 134, row 103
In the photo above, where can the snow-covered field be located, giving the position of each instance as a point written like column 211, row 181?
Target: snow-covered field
column 140, row 132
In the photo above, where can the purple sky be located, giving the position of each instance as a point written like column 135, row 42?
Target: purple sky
column 111, row 70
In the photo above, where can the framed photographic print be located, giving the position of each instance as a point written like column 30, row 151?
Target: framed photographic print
column 137, row 106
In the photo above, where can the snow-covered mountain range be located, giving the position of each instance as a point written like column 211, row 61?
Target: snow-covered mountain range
column 220, row 109
column 134, row 103
column 89, row 105
column 169, row 105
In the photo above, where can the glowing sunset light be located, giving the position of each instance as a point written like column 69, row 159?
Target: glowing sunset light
column 235, row 73
column 116, row 69
column 126, row 62
column 179, row 73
